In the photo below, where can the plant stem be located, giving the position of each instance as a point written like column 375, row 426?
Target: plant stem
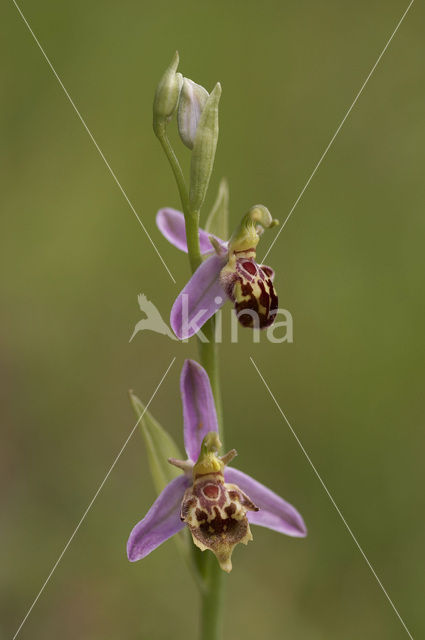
column 207, row 350
column 208, row 354
column 208, row 567
column 191, row 217
column 212, row 602
column 175, row 166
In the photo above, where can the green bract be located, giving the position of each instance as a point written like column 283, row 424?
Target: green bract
column 203, row 153
column 159, row 444
column 218, row 219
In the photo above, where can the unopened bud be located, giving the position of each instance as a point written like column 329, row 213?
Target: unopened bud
column 167, row 96
column 192, row 101
column 204, row 148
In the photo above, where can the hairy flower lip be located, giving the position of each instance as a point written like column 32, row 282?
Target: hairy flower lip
column 163, row 519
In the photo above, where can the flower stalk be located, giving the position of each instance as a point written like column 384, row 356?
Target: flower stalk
column 191, row 217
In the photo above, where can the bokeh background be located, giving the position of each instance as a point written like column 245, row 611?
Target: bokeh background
column 350, row 268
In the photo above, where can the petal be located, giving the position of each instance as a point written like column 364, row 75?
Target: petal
column 198, row 407
column 160, row 523
column 172, row 226
column 200, row 299
column 275, row 513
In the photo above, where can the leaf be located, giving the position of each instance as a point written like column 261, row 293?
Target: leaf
column 159, row 444
column 218, row 219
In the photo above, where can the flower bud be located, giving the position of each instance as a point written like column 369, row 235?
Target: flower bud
column 204, row 146
column 167, row 96
column 192, row 101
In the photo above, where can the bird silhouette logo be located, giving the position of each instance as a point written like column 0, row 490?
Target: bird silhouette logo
column 153, row 320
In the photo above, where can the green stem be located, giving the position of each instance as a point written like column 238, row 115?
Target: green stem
column 175, row 166
column 191, row 217
column 207, row 350
column 212, row 602
column 208, row 567
column 208, row 354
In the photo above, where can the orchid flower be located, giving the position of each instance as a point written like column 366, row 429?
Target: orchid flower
column 229, row 271
column 216, row 502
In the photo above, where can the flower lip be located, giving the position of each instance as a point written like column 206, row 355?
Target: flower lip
column 250, row 267
column 215, row 511
column 211, row 491
column 250, row 287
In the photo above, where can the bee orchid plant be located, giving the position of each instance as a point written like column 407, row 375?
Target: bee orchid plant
column 203, row 493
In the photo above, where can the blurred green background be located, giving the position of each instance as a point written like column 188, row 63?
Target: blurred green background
column 350, row 268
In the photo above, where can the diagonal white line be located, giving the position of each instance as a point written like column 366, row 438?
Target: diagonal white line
column 94, row 142
column 336, row 132
column 92, row 501
column 331, row 499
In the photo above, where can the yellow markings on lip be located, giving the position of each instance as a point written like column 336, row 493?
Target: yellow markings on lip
column 256, row 293
column 237, row 293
